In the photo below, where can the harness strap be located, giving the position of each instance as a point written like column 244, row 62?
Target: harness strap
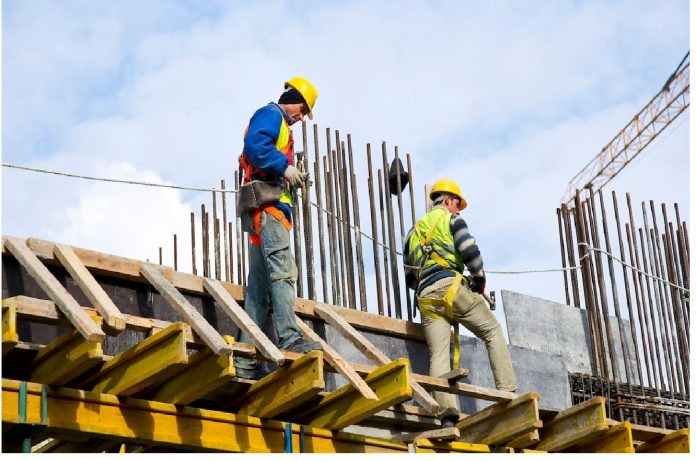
column 425, row 244
column 447, row 301
column 273, row 211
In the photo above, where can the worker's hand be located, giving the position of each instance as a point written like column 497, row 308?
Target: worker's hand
column 478, row 284
column 293, row 176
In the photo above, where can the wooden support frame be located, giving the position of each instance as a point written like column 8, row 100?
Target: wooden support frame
column 72, row 412
column 65, row 359
column 286, row 388
column 242, row 320
column 65, row 302
column 339, row 364
column 502, row 423
column 618, row 439
column 371, row 352
column 573, row 426
column 113, row 318
column 150, row 362
column 189, row 313
column 205, row 373
column 676, row 442
column 10, row 338
column 345, row 406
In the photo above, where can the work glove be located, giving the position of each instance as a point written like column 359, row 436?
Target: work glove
column 293, row 176
column 478, row 284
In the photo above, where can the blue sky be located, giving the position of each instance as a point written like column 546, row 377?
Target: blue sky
column 509, row 98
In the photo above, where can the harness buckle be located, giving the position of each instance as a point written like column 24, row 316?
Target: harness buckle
column 427, row 249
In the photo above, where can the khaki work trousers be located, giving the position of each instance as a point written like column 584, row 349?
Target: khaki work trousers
column 470, row 310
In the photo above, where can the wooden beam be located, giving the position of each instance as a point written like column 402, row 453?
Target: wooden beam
column 286, row 388
column 502, row 422
column 113, row 318
column 150, row 362
column 574, row 425
column 446, row 433
column 205, row 373
column 242, row 320
column 370, row 351
column 65, row 302
column 10, row 338
column 643, row 433
column 526, row 440
column 65, row 358
column 676, row 442
column 345, row 406
column 617, row 439
column 189, row 313
column 337, row 362
column 438, row 384
column 456, row 374
column 431, row 446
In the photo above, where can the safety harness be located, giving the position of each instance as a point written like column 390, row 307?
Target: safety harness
column 273, row 211
column 426, row 248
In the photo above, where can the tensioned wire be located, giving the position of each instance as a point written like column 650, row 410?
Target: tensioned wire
column 357, row 229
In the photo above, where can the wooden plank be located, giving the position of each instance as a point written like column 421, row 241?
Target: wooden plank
column 197, row 322
column 502, row 422
column 150, row 362
column 94, row 292
column 240, row 318
column 65, row 358
column 643, row 433
column 286, row 388
column 10, row 338
column 431, row 446
column 675, row 442
column 438, row 384
column 54, row 290
column 345, row 406
column 574, row 425
column 456, row 374
column 526, row 440
column 205, row 373
column 371, row 352
column 446, row 433
column 617, row 439
column 338, row 363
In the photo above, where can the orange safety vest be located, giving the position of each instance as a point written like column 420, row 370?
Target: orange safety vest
column 284, row 144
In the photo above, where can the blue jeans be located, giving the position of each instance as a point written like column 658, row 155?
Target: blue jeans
column 272, row 276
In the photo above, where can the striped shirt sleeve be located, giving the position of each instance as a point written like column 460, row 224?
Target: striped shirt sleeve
column 465, row 244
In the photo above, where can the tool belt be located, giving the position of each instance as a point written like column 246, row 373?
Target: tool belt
column 256, row 194
column 447, row 301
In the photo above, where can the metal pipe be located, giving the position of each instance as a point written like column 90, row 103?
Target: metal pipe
column 392, row 239
column 571, row 255
column 224, row 230
column 331, row 228
column 193, row 244
column 375, row 238
column 563, row 257
column 384, row 239
column 358, row 237
column 320, row 215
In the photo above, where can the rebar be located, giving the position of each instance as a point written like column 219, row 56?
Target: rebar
column 399, row 202
column 224, row 231
column 216, row 238
column 331, row 228
column 175, row 255
column 571, row 255
column 238, row 235
column 320, row 215
column 563, row 257
column 348, row 245
column 375, row 239
column 193, row 244
column 231, row 250
column 384, row 239
column 358, row 237
column 333, row 163
column 204, row 239
column 296, row 238
column 392, row 238
column 307, row 219
column 160, row 256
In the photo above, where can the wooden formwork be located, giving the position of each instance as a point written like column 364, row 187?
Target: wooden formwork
column 176, row 389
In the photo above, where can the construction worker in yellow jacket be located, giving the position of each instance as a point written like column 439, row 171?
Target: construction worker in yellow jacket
column 435, row 253
column 268, row 157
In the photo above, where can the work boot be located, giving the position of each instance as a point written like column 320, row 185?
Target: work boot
column 302, row 346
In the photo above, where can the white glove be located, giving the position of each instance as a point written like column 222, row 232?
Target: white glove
column 293, row 176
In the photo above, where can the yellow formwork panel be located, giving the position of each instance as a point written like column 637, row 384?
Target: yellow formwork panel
column 429, row 446
column 346, row 406
column 574, row 426
column 82, row 413
column 66, row 358
column 152, row 361
column 9, row 325
column 285, row 388
column 617, row 439
column 204, row 373
column 676, row 442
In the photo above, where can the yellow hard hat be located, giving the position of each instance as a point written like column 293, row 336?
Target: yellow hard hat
column 306, row 89
column 449, row 186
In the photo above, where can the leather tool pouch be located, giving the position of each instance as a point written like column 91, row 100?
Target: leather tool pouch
column 257, row 194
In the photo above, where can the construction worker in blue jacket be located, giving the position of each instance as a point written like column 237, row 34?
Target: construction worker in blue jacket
column 268, row 156
column 436, row 251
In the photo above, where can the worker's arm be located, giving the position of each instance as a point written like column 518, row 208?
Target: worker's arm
column 259, row 142
column 465, row 244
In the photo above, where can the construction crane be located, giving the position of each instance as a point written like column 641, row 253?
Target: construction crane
column 663, row 109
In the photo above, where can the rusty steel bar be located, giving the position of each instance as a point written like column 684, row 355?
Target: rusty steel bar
column 399, row 202
column 297, row 242
column 224, row 231
column 339, row 226
column 392, row 238
column 231, row 250
column 335, row 218
column 331, row 228
column 669, row 304
column 410, row 189
column 307, row 219
column 204, row 241
column 160, row 256
column 384, row 239
column 357, row 225
column 341, row 215
column 571, row 255
column 563, row 257
column 176, row 260
column 216, row 238
column 583, row 253
column 320, row 215
column 238, row 234
column 345, row 188
column 375, row 238
column 193, row 244
column 684, row 265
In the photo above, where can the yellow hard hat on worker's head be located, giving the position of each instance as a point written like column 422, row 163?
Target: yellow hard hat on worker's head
column 450, row 187
column 306, row 89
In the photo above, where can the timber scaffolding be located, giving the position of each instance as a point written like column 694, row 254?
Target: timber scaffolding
column 156, row 374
